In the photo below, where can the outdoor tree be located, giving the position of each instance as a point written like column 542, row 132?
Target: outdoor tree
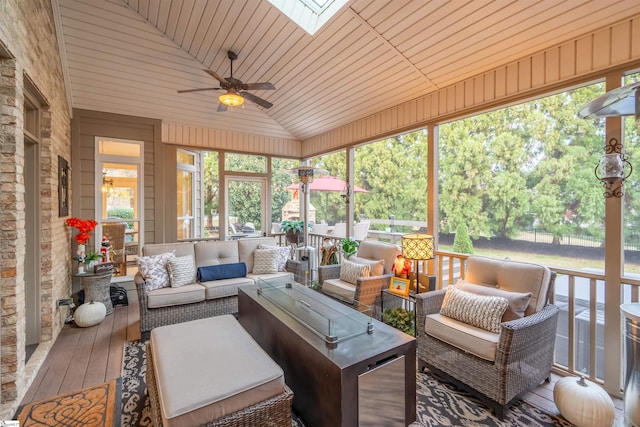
column 462, row 242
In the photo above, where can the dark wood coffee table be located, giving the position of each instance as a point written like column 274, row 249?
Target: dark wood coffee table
column 368, row 378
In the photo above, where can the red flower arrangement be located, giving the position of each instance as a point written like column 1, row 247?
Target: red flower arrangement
column 84, row 226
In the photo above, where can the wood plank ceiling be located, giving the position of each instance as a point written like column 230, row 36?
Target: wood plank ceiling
column 131, row 56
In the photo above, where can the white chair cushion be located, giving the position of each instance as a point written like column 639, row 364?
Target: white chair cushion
column 339, row 289
column 480, row 311
column 462, row 335
column 167, row 297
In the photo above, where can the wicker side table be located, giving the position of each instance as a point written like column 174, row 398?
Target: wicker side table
column 96, row 288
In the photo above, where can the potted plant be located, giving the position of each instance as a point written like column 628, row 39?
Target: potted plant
column 349, row 246
column 400, row 318
column 91, row 259
column 293, row 229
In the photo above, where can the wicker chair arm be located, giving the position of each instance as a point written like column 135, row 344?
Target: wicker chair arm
column 328, row 272
column 367, row 293
column 295, row 267
column 427, row 303
column 520, row 337
column 138, row 279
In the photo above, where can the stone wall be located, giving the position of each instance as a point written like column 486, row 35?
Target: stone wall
column 27, row 35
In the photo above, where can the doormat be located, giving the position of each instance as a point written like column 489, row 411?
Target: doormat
column 97, row 406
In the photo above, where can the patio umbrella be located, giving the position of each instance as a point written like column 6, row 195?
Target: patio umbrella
column 328, row 184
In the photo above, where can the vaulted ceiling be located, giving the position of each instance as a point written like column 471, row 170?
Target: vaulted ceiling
column 132, row 56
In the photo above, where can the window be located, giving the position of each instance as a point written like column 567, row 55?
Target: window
column 185, row 197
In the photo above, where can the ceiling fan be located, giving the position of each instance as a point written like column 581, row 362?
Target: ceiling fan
column 236, row 91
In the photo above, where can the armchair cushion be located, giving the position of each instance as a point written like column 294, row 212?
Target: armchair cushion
column 377, row 266
column 479, row 342
column 351, row 271
column 481, row 311
column 339, row 289
column 518, row 301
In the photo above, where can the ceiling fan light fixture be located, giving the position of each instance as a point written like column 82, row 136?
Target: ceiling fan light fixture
column 231, row 99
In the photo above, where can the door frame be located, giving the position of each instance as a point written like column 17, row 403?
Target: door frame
column 228, row 178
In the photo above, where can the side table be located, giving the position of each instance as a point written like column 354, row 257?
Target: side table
column 391, row 300
column 97, row 288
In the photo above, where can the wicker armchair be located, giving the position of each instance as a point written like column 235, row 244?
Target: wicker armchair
column 114, row 232
column 366, row 291
column 524, row 349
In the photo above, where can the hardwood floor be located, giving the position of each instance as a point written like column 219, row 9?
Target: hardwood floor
column 83, row 357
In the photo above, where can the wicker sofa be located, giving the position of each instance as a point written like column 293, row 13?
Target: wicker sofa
column 498, row 367
column 199, row 300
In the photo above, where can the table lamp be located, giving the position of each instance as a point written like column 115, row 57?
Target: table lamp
column 417, row 247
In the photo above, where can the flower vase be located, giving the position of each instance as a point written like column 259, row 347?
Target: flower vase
column 81, row 256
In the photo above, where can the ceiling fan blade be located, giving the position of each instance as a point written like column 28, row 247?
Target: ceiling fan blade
column 199, row 90
column 221, row 107
column 261, row 102
column 216, row 76
column 259, row 86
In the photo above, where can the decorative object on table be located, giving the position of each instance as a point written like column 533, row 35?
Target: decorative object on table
column 329, row 252
column 90, row 314
column 417, row 247
column 104, row 267
column 402, row 267
column 349, row 246
column 85, row 227
column 399, row 286
column 584, row 403
column 91, row 260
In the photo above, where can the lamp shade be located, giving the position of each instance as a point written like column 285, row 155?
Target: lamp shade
column 231, row 99
column 417, row 246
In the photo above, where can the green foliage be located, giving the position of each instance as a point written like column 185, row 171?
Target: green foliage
column 462, row 242
column 120, row 212
column 349, row 246
column 92, row 256
column 292, row 225
column 400, row 318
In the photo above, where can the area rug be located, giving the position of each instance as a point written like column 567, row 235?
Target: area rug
column 439, row 404
column 97, row 406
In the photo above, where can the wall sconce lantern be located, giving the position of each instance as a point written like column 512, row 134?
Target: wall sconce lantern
column 107, row 184
column 614, row 167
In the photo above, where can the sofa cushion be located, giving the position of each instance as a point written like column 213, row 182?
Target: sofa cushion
column 216, row 252
column 247, row 246
column 153, row 270
column 179, row 249
column 376, row 266
column 518, row 301
column 210, row 368
column 265, row 261
column 339, row 289
column 284, row 252
column 477, row 310
column 512, row 276
column 222, row 288
column 182, row 270
column 166, row 297
column 351, row 271
column 474, row 340
column 222, row 271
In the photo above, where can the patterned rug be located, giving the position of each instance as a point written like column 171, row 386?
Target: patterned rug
column 439, row 404
column 97, row 406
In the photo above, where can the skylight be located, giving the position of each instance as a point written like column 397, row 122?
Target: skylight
column 309, row 15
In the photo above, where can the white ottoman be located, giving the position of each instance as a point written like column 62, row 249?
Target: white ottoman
column 210, row 369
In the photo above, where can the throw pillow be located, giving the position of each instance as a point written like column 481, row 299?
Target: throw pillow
column 222, row 271
column 518, row 301
column 351, row 271
column 284, row 252
column 377, row 266
column 476, row 310
column 182, row 271
column 265, row 261
column 154, row 270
